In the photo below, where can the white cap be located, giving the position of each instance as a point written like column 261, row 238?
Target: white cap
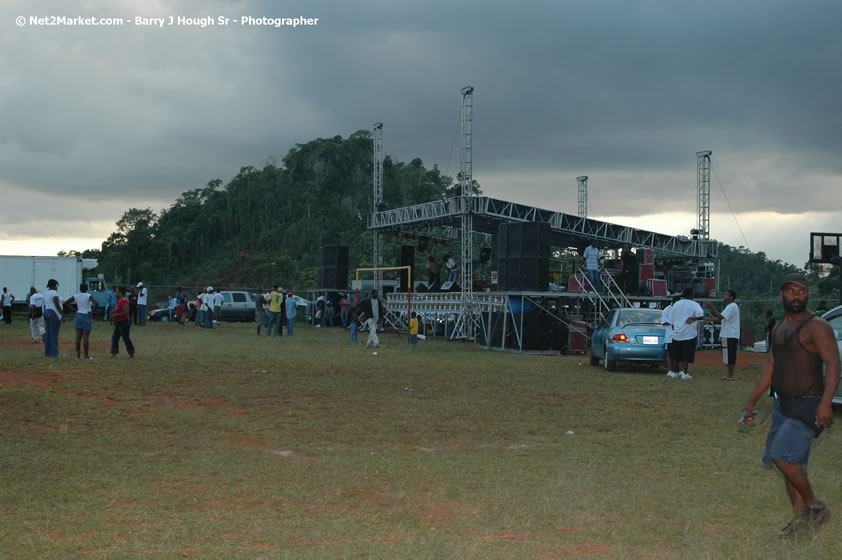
column 210, row 288
column 139, row 284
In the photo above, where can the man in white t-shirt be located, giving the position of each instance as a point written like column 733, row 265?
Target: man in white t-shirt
column 729, row 334
column 207, row 306
column 666, row 321
column 142, row 294
column 685, row 334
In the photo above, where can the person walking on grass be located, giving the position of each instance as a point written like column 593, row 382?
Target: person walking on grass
column 85, row 307
column 685, row 313
column 801, row 344
column 122, row 325
column 371, row 314
column 729, row 334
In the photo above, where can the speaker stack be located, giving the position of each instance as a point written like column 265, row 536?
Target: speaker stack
column 333, row 274
column 523, row 263
column 406, row 258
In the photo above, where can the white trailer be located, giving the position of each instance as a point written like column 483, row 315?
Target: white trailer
column 20, row 273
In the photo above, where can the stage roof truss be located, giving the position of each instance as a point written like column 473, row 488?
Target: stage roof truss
column 441, row 212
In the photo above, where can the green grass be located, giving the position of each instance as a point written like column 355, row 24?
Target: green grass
column 222, row 444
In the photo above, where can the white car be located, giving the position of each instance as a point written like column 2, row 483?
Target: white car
column 834, row 317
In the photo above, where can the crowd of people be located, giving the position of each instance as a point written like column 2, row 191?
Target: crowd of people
column 47, row 311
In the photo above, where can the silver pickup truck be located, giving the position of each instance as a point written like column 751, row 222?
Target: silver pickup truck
column 237, row 306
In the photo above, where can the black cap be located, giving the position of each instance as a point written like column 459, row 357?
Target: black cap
column 795, row 278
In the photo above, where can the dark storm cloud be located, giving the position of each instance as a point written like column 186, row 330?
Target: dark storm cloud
column 627, row 90
column 596, row 87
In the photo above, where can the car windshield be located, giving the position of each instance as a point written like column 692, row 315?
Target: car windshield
column 627, row 316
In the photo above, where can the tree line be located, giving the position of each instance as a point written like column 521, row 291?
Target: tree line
column 266, row 226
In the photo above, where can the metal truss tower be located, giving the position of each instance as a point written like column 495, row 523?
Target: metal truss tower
column 467, row 221
column 378, row 204
column 583, row 195
column 703, row 186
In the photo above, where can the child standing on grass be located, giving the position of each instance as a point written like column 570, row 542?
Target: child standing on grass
column 413, row 329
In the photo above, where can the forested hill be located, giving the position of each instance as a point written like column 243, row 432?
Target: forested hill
column 266, row 225
column 753, row 275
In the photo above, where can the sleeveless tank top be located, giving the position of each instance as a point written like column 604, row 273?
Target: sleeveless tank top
column 797, row 371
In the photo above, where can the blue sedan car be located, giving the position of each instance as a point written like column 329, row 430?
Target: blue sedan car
column 629, row 334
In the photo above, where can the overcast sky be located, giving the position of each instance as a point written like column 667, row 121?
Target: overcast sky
column 94, row 120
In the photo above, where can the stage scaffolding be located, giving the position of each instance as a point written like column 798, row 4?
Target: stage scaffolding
column 442, row 220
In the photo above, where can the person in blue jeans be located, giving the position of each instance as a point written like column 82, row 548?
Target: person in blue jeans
column 327, row 316
column 289, row 303
column 592, row 258
column 142, row 296
column 52, row 319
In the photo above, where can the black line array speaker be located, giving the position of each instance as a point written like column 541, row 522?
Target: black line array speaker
column 407, row 258
column 522, row 257
column 333, row 274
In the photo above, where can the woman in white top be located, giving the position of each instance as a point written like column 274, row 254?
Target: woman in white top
column 85, row 305
column 52, row 318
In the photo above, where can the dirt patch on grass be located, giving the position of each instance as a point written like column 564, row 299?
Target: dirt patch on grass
column 421, row 507
column 55, row 382
column 584, row 550
column 198, row 404
column 713, row 358
column 41, row 380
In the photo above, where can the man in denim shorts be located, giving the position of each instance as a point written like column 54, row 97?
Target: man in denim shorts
column 801, row 344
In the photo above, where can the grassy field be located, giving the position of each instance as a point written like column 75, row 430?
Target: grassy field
column 221, row 444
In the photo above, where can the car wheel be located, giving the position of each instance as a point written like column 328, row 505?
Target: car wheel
column 609, row 364
column 594, row 359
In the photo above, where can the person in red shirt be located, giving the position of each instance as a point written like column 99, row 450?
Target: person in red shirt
column 122, row 324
